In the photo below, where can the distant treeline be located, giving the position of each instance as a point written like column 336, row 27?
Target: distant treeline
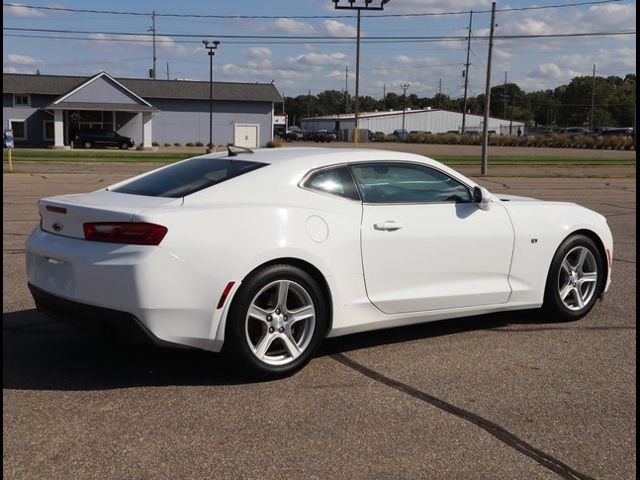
column 564, row 106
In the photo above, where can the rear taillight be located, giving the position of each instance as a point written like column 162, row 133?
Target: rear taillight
column 125, row 232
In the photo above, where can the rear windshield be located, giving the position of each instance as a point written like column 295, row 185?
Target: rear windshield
column 185, row 178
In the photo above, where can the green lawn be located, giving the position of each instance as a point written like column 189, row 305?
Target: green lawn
column 169, row 157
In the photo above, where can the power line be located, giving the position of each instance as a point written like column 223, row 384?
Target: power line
column 313, row 37
column 274, row 17
column 294, row 41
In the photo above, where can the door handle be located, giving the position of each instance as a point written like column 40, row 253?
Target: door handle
column 388, row 226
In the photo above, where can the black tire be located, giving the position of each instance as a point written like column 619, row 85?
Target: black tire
column 237, row 350
column 124, row 146
column 87, row 145
column 553, row 306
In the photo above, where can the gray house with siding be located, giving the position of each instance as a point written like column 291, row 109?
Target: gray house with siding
column 46, row 110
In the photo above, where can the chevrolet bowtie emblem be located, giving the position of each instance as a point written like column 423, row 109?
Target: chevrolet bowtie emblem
column 57, row 226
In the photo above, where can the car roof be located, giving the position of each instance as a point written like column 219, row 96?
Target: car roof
column 314, row 157
column 289, row 165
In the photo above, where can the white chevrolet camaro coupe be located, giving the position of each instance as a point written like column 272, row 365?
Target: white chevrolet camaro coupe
column 263, row 254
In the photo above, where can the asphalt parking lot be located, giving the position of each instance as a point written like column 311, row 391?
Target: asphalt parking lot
column 501, row 396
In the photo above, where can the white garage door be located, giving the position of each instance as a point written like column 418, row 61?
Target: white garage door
column 246, row 136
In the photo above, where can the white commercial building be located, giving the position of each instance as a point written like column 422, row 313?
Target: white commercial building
column 432, row 120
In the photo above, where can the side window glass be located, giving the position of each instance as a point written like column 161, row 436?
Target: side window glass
column 337, row 181
column 390, row 182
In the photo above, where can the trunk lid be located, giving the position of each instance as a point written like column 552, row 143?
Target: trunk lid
column 66, row 215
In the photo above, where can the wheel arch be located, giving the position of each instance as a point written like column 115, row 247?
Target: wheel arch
column 599, row 243
column 308, row 268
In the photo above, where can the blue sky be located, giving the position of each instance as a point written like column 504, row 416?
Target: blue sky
column 295, row 68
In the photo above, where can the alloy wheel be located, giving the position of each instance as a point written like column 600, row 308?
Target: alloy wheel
column 578, row 278
column 280, row 322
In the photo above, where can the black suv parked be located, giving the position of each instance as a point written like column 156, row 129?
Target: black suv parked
column 101, row 138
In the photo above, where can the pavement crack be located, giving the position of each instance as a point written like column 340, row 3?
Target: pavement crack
column 623, row 260
column 493, row 429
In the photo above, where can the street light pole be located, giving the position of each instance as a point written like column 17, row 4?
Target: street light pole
column 404, row 87
column 367, row 3
column 211, row 50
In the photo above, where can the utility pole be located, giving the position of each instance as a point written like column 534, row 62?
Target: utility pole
column 346, row 89
column 487, row 95
column 466, row 76
column 167, row 70
column 504, row 96
column 404, row 87
column 309, row 104
column 384, row 96
column 211, row 49
column 356, row 129
column 511, row 118
column 152, row 73
column 593, row 97
column 440, row 93
column 367, row 3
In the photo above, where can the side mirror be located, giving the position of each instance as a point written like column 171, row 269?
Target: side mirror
column 477, row 194
column 482, row 198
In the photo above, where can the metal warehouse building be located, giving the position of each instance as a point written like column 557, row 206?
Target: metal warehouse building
column 43, row 110
column 431, row 120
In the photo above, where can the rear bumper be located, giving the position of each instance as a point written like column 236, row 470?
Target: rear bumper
column 120, row 325
column 124, row 284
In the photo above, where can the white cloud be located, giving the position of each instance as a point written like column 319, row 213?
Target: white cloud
column 24, row 60
column 335, row 74
column 436, row 6
column 546, row 70
column 165, row 44
column 264, row 70
column 292, row 26
column 502, row 54
column 16, row 63
column 529, row 26
column 17, row 10
column 258, row 52
column 334, row 28
column 319, row 59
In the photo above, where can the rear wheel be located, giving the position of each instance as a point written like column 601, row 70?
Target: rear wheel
column 576, row 279
column 276, row 321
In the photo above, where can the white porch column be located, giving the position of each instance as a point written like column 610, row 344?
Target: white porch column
column 147, row 137
column 58, row 129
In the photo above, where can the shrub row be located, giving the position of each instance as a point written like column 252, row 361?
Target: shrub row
column 557, row 141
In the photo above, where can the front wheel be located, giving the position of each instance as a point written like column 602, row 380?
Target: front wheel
column 576, row 279
column 88, row 144
column 277, row 319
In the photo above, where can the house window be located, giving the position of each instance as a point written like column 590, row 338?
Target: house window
column 48, row 130
column 21, row 100
column 19, row 128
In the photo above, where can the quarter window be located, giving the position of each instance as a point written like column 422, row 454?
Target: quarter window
column 337, row 181
column 390, row 182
